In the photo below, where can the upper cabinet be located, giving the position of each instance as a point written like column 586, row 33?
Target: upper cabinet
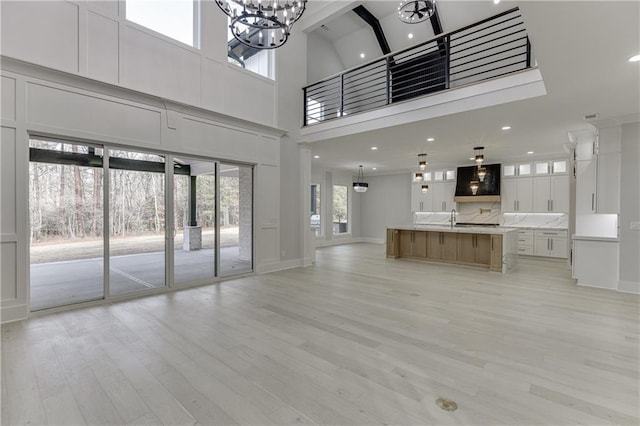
column 608, row 171
column 439, row 196
column 540, row 187
column 598, row 173
column 517, row 195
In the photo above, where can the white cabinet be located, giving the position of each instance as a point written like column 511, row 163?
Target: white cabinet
column 585, row 187
column 439, row 197
column 525, row 241
column 550, row 243
column 517, row 195
column 595, row 262
column 608, row 183
column 551, row 194
column 443, row 194
column 417, row 198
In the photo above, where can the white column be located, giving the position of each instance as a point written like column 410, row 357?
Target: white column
column 306, row 233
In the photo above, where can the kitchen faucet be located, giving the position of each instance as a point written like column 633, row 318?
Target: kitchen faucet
column 452, row 219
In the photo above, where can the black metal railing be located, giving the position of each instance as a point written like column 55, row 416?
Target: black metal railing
column 491, row 48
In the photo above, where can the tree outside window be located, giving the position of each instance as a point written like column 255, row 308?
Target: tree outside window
column 340, row 209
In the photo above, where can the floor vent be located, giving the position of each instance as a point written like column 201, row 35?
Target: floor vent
column 446, row 404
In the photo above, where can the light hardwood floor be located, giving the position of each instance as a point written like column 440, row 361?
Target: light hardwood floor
column 355, row 339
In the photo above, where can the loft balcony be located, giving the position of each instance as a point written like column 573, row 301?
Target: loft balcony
column 485, row 58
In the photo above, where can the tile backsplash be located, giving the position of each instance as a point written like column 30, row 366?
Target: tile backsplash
column 483, row 213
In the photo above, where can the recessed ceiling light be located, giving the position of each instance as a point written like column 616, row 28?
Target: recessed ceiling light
column 634, row 58
column 506, row 127
column 375, row 168
column 430, row 139
column 316, row 156
column 362, row 55
column 529, row 152
column 472, row 158
column 374, row 148
column 410, row 35
column 496, row 1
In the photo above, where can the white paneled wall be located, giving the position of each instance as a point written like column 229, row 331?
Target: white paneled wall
column 41, row 101
column 94, row 39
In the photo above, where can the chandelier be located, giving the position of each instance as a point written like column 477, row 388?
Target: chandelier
column 262, row 24
column 360, row 185
column 414, row 11
column 479, row 156
column 424, row 189
column 422, row 161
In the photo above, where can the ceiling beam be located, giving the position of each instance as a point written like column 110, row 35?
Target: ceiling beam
column 370, row 19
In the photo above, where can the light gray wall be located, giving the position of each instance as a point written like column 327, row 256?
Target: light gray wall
column 630, row 208
column 322, row 60
column 159, row 94
column 386, row 203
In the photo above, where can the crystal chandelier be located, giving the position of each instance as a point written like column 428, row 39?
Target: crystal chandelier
column 482, row 173
column 422, row 161
column 474, row 187
column 360, row 185
column 414, row 11
column 479, row 156
column 262, row 24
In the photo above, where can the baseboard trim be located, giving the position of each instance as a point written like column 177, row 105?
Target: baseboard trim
column 13, row 313
column 629, row 287
column 372, row 240
column 279, row 266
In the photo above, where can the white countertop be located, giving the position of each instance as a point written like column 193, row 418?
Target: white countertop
column 459, row 230
column 591, row 238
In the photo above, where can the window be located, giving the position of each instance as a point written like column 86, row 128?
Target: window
column 260, row 61
column 315, row 210
column 524, row 169
column 340, row 209
column 177, row 19
column 542, row 168
column 560, row 166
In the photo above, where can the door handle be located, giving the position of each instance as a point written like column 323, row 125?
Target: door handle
column 551, row 241
column 514, row 206
column 551, row 205
column 593, row 200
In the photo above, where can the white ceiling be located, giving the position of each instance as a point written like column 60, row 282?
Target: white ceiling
column 582, row 49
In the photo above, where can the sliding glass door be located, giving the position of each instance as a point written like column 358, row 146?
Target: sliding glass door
column 136, row 221
column 66, row 216
column 236, row 219
column 194, row 212
column 103, row 224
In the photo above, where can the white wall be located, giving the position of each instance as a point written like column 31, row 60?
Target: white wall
column 39, row 101
column 93, row 39
column 323, row 60
column 83, row 72
column 629, row 208
column 386, row 203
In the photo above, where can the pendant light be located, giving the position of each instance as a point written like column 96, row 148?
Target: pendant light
column 359, row 185
column 418, row 177
column 479, row 155
column 424, row 189
column 482, row 173
column 422, row 161
column 474, row 187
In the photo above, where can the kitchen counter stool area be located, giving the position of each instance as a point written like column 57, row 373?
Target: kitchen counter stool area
column 495, row 249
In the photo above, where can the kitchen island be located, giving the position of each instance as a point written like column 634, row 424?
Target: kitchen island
column 492, row 248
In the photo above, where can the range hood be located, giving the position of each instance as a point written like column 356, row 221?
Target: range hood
column 488, row 190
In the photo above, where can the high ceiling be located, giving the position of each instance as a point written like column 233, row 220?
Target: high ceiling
column 582, row 50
